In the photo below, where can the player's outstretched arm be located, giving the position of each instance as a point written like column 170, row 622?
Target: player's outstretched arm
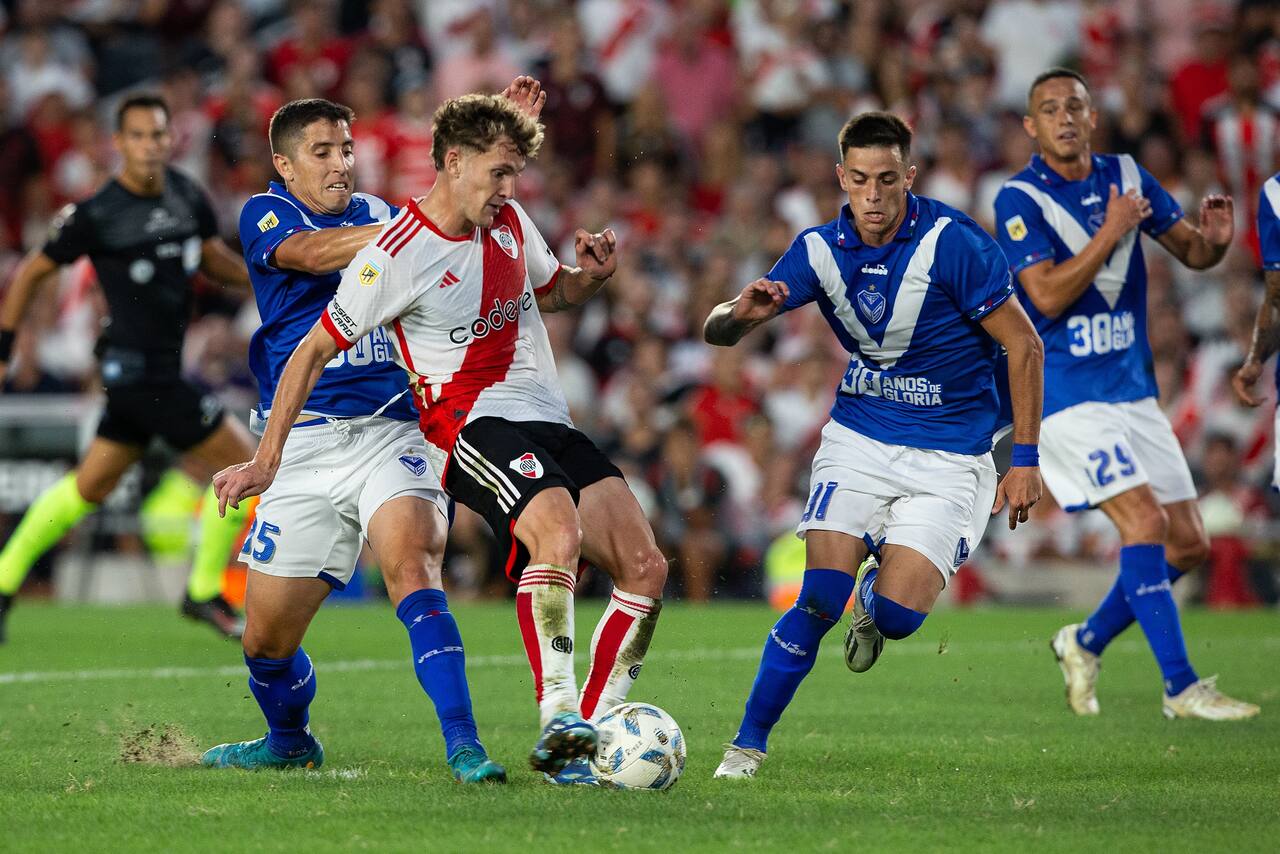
column 1021, row 486
column 1266, row 340
column 218, row 262
column 1052, row 288
column 1204, row 246
column 758, row 303
column 300, row 375
column 31, row 272
column 597, row 262
column 325, row 251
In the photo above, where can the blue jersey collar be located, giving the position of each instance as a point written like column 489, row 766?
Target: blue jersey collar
column 1046, row 173
column 847, row 236
column 278, row 189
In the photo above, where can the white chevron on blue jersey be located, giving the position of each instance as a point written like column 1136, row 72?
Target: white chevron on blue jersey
column 1111, row 276
column 906, row 305
column 379, row 210
column 1272, row 191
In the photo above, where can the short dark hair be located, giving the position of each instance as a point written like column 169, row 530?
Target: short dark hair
column 1054, row 74
column 291, row 120
column 143, row 100
column 875, row 130
column 478, row 121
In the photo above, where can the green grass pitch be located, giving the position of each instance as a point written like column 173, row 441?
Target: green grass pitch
column 958, row 740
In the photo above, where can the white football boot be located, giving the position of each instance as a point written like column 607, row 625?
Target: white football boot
column 740, row 763
column 1079, row 669
column 863, row 642
column 1203, row 700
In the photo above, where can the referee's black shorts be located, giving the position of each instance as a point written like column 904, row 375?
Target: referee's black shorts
column 171, row 409
column 498, row 466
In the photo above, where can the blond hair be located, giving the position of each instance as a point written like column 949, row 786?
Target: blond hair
column 477, row 122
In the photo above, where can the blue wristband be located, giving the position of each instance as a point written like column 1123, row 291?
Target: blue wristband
column 1025, row 455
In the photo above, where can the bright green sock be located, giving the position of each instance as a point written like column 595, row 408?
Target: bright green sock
column 54, row 513
column 217, row 537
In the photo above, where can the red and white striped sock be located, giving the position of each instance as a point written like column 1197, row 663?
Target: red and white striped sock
column 544, row 608
column 617, row 650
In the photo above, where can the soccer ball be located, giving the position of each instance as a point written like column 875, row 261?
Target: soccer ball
column 640, row 747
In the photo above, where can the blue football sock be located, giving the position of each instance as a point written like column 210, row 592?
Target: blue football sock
column 1113, row 615
column 892, row 620
column 284, row 688
column 1147, row 587
column 440, row 664
column 790, row 650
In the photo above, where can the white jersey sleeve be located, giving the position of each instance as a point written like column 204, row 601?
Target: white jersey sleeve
column 376, row 288
column 542, row 264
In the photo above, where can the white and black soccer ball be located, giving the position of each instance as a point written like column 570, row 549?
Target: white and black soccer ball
column 640, row 747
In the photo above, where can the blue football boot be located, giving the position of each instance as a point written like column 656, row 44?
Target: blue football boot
column 471, row 764
column 564, row 739
column 577, row 773
column 253, row 755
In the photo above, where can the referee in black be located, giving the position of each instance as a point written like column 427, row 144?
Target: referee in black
column 146, row 231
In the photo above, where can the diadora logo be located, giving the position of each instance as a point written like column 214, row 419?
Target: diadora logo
column 877, row 270
column 788, row 646
column 872, row 304
column 415, row 464
column 448, row 279
column 506, row 240
column 527, row 464
column 499, row 315
column 1091, row 199
column 1158, row 587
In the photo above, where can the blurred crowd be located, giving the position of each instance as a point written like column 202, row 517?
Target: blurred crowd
column 704, row 133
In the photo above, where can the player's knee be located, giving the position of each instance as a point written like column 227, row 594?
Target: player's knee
column 256, row 645
column 1189, row 552
column 95, row 489
column 646, row 572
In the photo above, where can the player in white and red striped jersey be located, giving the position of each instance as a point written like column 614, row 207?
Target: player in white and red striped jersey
column 460, row 278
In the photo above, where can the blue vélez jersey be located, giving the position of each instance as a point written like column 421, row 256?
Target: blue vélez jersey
column 908, row 312
column 1095, row 350
column 1269, row 231
column 356, row 382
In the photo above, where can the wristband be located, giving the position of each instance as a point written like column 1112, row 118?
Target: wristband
column 1025, row 455
column 6, row 344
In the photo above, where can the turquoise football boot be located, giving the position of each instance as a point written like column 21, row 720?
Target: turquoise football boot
column 470, row 764
column 253, row 755
column 564, row 739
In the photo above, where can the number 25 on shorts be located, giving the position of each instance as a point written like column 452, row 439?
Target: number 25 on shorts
column 266, row 544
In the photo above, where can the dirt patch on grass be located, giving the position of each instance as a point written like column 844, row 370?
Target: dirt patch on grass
column 159, row 744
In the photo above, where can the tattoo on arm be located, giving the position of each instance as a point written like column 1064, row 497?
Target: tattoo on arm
column 555, row 299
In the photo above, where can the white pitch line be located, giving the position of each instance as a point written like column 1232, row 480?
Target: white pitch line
column 922, row 647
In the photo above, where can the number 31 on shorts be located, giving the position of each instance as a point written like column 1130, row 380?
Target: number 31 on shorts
column 266, row 544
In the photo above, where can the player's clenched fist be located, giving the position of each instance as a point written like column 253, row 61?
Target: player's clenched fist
column 760, row 301
column 1021, row 488
column 1243, row 382
column 239, row 481
column 597, row 253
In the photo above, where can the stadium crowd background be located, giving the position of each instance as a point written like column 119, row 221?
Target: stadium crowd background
column 704, row 133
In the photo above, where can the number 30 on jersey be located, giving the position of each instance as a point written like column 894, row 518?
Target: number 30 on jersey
column 1101, row 333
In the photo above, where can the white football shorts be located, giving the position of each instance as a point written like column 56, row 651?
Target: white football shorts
column 333, row 477
column 935, row 502
column 1093, row 451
